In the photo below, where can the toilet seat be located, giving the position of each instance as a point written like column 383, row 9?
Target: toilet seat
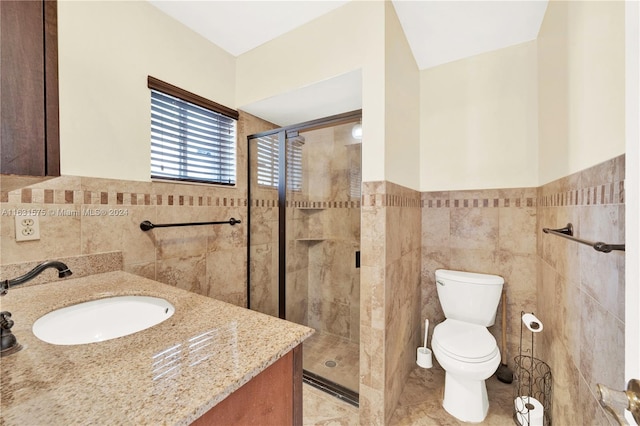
column 464, row 342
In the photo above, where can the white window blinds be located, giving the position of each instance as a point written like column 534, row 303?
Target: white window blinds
column 294, row 166
column 267, row 174
column 268, row 164
column 190, row 142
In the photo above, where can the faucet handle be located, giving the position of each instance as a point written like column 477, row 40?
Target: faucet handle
column 8, row 342
column 4, row 287
column 5, row 322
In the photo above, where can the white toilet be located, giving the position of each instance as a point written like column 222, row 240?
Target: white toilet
column 462, row 344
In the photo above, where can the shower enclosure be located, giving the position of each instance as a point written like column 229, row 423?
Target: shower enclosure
column 304, row 241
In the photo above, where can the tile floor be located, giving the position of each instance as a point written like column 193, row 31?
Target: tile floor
column 419, row 404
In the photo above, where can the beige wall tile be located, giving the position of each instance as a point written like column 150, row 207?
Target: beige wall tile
column 580, row 290
column 226, row 275
column 474, row 228
column 187, row 273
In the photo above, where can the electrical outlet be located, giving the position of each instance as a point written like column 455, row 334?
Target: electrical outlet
column 27, row 228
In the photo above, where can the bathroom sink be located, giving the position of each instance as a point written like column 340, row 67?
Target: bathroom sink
column 101, row 319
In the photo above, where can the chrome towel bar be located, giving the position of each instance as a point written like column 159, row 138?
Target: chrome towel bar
column 567, row 232
column 146, row 225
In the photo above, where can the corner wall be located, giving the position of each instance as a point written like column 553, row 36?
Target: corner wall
column 390, row 296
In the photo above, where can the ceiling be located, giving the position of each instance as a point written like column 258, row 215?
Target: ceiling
column 438, row 32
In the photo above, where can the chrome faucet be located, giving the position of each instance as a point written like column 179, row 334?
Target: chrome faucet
column 63, row 271
column 8, row 342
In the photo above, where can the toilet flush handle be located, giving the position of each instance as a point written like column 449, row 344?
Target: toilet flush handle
column 440, row 282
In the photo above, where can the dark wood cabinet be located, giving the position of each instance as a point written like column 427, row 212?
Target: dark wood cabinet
column 29, row 132
column 273, row 397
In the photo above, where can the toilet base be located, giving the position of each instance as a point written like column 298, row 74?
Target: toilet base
column 465, row 400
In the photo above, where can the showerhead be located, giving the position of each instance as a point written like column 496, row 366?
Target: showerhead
column 297, row 140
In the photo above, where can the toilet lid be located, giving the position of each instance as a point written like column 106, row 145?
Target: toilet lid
column 464, row 341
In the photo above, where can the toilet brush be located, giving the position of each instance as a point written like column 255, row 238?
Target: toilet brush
column 503, row 373
column 426, row 332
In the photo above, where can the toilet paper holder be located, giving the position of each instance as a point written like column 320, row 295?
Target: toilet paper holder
column 532, row 378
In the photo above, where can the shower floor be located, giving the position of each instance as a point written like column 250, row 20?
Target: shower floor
column 334, row 358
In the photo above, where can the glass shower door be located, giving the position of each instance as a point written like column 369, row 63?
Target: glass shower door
column 304, row 242
column 323, row 243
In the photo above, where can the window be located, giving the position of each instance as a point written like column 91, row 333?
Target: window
column 192, row 139
column 294, row 165
column 268, row 153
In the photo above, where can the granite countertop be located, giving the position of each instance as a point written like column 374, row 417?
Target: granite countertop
column 162, row 375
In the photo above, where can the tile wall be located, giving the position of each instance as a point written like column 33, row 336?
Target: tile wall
column 85, row 216
column 487, row 231
column 80, row 216
column 323, row 234
column 581, row 291
column 576, row 292
column 390, row 293
column 330, row 160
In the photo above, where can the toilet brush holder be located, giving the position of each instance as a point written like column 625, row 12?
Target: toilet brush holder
column 424, row 357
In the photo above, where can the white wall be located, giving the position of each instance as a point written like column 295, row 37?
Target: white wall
column 402, row 107
column 478, row 122
column 106, row 51
column 581, row 63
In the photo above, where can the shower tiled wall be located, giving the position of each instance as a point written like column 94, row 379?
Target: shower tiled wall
column 581, row 291
column 330, row 157
column 323, row 234
column 390, row 307
column 488, row 231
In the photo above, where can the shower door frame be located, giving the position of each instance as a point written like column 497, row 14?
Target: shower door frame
column 284, row 133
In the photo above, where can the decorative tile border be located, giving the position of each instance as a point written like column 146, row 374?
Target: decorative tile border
column 334, row 204
column 264, row 203
column 489, row 202
column 609, row 193
column 391, row 200
column 67, row 196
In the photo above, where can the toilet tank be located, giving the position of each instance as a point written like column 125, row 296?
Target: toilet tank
column 469, row 296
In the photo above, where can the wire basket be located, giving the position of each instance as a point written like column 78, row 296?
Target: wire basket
column 533, row 386
column 533, row 383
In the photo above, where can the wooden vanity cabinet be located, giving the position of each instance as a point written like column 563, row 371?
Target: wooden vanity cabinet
column 273, row 397
column 29, row 132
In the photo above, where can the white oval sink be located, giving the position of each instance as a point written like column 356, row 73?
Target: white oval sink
column 102, row 319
